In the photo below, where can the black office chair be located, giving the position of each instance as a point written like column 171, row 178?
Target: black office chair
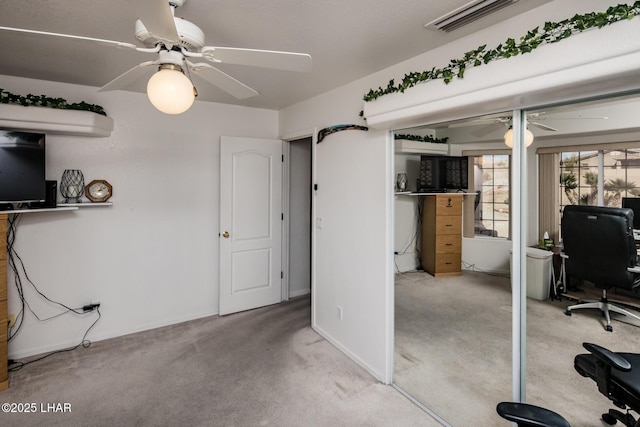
column 599, row 248
column 525, row 415
column 618, row 378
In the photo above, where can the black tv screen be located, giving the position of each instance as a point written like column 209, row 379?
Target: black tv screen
column 22, row 167
column 633, row 203
column 438, row 173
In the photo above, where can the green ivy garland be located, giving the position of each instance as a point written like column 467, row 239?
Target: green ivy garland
column 426, row 138
column 552, row 32
column 7, row 97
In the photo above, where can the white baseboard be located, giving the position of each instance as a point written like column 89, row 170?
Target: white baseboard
column 377, row 375
column 115, row 333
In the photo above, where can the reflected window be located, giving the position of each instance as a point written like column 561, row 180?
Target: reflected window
column 491, row 182
column 621, row 175
column 579, row 178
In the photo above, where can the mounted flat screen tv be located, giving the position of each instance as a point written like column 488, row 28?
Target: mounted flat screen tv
column 440, row 173
column 22, row 167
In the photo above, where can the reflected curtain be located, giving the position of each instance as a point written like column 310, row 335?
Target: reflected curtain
column 549, row 185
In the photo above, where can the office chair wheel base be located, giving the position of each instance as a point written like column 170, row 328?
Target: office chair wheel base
column 609, row 328
column 609, row 419
column 567, row 312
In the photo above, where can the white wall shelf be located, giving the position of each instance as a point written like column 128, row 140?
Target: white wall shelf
column 59, row 208
column 405, row 146
column 84, row 205
column 38, row 210
column 55, row 121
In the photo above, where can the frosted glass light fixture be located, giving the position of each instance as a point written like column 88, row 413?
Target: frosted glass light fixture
column 508, row 138
column 170, row 91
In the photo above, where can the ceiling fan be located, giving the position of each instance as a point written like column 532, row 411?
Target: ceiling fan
column 489, row 125
column 178, row 43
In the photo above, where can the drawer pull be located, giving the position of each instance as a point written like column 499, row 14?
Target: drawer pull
column 448, row 244
column 448, row 263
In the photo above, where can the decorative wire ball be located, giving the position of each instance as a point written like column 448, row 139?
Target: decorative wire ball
column 72, row 185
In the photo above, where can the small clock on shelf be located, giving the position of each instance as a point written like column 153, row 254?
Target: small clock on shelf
column 98, row 190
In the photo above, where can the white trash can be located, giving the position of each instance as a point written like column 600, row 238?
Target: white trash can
column 539, row 273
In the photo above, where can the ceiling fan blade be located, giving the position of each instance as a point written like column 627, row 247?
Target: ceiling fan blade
column 487, row 129
column 157, row 18
column 289, row 61
column 128, row 77
column 224, row 81
column 70, row 36
column 542, row 126
column 481, row 121
column 579, row 118
column 471, row 123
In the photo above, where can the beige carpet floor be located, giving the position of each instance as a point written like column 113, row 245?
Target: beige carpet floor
column 453, row 349
column 264, row 367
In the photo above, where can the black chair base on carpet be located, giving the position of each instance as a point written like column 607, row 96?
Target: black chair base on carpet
column 605, row 307
column 525, row 415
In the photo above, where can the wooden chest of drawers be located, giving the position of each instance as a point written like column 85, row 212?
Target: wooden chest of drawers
column 442, row 234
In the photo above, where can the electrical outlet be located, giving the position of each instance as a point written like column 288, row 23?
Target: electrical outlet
column 93, row 305
column 339, row 313
column 12, row 320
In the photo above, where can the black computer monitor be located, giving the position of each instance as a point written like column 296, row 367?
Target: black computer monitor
column 633, row 203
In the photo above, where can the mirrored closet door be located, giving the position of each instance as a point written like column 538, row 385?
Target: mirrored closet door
column 453, row 329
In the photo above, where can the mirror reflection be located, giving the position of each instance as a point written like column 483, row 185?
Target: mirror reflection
column 453, row 332
column 586, row 157
column 452, row 293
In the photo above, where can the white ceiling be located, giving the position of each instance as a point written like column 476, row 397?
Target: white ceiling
column 347, row 40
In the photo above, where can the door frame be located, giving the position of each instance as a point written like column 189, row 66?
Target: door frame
column 287, row 140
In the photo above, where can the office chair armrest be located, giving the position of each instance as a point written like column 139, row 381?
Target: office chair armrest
column 530, row 415
column 610, row 358
column 563, row 255
column 635, row 269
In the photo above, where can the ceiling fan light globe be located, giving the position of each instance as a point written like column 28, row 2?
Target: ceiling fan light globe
column 508, row 138
column 170, row 91
column 528, row 139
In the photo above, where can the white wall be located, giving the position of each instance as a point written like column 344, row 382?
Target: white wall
column 406, row 244
column 152, row 258
column 352, row 267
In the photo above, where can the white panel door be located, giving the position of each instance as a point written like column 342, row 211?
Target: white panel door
column 250, row 223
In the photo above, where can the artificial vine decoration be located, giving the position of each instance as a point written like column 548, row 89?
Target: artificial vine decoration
column 7, row 97
column 552, row 32
column 426, row 138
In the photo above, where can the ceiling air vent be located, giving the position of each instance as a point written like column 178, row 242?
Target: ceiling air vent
column 468, row 13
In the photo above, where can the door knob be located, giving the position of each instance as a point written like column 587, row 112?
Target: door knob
column 225, row 234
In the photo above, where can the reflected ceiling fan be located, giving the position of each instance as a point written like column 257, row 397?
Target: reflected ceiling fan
column 177, row 43
column 493, row 124
column 490, row 125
